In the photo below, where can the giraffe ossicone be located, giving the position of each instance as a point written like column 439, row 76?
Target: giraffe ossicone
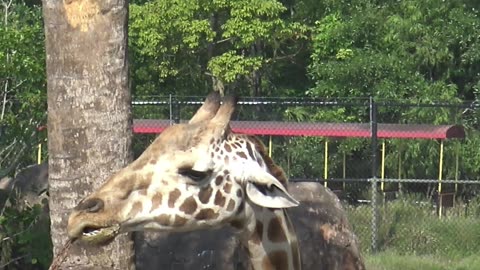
column 198, row 175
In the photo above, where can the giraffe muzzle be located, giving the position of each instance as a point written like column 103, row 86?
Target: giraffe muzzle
column 100, row 236
column 87, row 223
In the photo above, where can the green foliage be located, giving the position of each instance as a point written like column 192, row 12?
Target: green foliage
column 412, row 51
column 229, row 66
column 25, row 238
column 22, row 83
column 408, row 49
column 455, row 236
column 178, row 46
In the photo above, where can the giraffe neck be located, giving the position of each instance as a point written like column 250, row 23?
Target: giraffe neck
column 272, row 243
column 271, row 240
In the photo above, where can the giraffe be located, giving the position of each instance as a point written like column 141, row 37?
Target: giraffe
column 198, row 175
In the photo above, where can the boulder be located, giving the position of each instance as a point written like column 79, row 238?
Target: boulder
column 30, row 185
column 325, row 236
column 209, row 249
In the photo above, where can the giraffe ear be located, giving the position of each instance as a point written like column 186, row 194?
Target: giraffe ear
column 265, row 190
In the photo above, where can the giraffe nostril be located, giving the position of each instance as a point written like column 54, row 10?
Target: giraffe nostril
column 90, row 205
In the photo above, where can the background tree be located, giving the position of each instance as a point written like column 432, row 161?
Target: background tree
column 22, row 110
column 184, row 46
column 89, row 125
column 22, row 84
column 408, row 51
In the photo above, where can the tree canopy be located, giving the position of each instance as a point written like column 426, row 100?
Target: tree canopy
column 412, row 51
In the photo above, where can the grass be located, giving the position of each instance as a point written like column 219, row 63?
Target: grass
column 411, row 235
column 407, row 227
column 391, row 261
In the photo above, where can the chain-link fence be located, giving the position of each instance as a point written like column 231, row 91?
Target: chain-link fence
column 408, row 175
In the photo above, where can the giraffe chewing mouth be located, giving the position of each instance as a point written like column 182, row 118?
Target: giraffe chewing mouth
column 99, row 235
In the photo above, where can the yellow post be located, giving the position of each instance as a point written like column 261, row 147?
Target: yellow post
column 39, row 153
column 325, row 164
column 344, row 168
column 270, row 146
column 440, row 174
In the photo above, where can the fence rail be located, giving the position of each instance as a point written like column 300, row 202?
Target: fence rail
column 429, row 206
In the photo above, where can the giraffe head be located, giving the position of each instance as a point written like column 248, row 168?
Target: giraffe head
column 194, row 175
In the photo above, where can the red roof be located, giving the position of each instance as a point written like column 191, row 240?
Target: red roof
column 342, row 130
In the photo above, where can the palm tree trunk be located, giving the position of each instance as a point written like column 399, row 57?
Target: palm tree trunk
column 89, row 116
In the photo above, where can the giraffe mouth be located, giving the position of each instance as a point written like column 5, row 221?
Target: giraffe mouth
column 99, row 235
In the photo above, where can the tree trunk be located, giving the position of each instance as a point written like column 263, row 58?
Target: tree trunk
column 89, row 116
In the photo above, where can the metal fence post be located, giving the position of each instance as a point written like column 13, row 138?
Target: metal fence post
column 170, row 108
column 374, row 137
column 176, row 116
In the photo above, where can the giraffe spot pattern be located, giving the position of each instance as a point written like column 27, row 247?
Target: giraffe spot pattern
column 206, row 214
column 231, row 205
column 275, row 231
column 219, row 199
column 250, row 151
column 228, row 148
column 136, row 208
column 172, row 197
column 163, row 219
column 179, row 221
column 156, row 200
column 242, row 155
column 239, row 193
column 189, row 206
column 276, row 260
column 218, row 180
column 205, row 194
column 227, row 187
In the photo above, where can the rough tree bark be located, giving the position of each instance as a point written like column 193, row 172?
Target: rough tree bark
column 89, row 117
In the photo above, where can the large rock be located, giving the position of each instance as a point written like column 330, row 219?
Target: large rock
column 30, row 185
column 210, row 249
column 325, row 238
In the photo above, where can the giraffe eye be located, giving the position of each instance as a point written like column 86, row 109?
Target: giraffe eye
column 196, row 176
